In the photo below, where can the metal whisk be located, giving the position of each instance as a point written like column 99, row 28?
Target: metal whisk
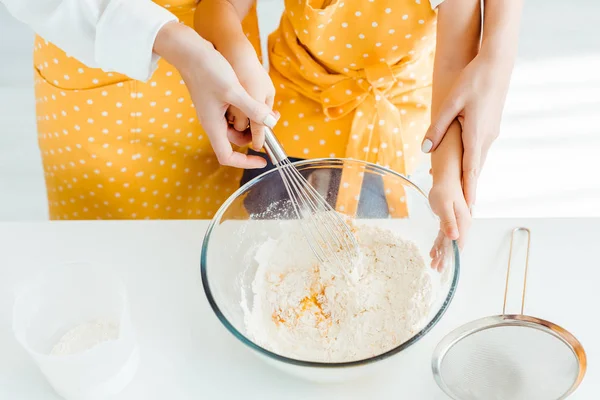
column 326, row 232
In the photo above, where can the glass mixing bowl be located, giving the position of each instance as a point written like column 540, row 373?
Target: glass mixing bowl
column 254, row 213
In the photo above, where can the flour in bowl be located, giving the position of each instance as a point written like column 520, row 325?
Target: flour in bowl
column 311, row 312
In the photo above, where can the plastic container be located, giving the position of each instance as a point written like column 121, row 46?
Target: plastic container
column 61, row 299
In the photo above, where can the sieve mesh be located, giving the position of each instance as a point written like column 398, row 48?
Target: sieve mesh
column 515, row 362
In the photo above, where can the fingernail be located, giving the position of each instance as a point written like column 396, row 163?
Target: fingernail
column 426, row 146
column 270, row 121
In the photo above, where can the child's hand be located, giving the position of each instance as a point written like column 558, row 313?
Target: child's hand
column 448, row 202
column 255, row 79
column 220, row 22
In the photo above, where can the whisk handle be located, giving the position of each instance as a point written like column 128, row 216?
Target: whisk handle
column 273, row 147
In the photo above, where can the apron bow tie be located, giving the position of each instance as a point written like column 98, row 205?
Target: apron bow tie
column 376, row 127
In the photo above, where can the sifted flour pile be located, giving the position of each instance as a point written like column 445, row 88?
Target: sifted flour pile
column 85, row 336
column 312, row 312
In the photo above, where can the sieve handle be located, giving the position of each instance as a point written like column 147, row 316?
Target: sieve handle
column 512, row 239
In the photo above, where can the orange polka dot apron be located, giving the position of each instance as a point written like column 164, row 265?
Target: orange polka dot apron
column 116, row 148
column 353, row 79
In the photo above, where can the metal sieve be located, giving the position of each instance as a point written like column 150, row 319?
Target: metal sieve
column 509, row 356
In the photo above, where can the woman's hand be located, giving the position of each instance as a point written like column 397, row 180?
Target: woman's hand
column 477, row 95
column 476, row 100
column 214, row 87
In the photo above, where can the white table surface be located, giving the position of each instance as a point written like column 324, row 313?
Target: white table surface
column 187, row 354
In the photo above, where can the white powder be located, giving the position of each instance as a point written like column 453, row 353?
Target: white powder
column 312, row 312
column 86, row 336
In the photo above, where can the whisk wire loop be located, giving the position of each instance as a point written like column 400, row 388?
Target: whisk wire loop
column 328, row 235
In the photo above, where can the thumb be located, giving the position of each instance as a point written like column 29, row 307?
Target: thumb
column 451, row 107
column 256, row 111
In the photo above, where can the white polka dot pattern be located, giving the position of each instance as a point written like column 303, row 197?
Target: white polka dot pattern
column 369, row 103
column 115, row 148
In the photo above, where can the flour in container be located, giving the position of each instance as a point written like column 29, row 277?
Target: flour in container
column 85, row 336
column 313, row 312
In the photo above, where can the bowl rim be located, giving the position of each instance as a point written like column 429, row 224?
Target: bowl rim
column 317, row 364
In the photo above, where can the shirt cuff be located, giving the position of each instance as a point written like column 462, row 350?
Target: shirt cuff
column 125, row 37
column 435, row 3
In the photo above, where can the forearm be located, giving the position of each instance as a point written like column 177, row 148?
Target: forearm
column 446, row 160
column 220, row 22
column 182, row 47
column 459, row 31
column 502, row 19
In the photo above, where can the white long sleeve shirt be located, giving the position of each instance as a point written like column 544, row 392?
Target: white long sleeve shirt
column 115, row 35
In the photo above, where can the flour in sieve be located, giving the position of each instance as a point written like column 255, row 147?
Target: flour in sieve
column 312, row 312
column 86, row 336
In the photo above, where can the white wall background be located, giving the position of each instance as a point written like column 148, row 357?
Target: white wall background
column 544, row 164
